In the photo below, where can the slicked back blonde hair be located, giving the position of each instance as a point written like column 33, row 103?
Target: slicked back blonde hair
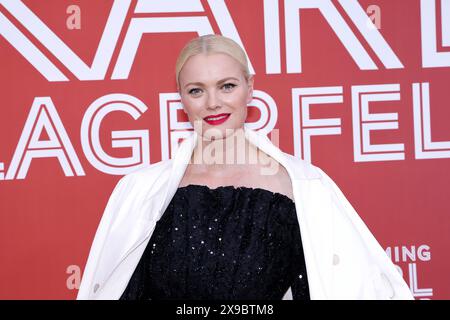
column 209, row 44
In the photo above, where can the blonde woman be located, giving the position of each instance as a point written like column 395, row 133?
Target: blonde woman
column 231, row 216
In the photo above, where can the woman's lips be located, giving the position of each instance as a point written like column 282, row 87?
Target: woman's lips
column 217, row 119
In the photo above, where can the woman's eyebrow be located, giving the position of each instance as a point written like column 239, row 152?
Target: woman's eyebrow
column 226, row 79
column 218, row 82
column 193, row 83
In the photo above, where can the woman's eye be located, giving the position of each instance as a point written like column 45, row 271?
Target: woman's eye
column 195, row 91
column 228, row 86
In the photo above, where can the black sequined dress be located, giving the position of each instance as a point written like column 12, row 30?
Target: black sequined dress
column 225, row 243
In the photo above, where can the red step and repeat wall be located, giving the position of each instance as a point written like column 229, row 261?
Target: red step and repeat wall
column 359, row 88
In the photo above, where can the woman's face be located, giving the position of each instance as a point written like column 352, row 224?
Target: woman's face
column 211, row 85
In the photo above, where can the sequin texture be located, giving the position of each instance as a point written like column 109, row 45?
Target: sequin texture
column 227, row 243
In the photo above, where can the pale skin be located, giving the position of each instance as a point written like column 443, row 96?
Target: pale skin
column 211, row 84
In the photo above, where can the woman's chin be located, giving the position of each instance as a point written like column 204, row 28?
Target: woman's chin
column 217, row 133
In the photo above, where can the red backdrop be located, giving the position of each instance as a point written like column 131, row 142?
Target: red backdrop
column 359, row 88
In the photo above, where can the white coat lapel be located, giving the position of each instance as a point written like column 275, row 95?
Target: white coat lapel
column 181, row 160
column 315, row 218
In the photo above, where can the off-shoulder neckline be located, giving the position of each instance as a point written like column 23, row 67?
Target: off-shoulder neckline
column 278, row 194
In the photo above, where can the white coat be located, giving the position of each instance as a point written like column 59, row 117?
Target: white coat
column 343, row 259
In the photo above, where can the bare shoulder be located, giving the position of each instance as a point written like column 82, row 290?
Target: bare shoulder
column 277, row 178
column 283, row 182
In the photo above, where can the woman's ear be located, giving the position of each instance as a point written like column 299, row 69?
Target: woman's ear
column 250, row 83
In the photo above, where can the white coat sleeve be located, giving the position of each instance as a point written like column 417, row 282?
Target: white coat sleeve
column 386, row 282
column 86, row 286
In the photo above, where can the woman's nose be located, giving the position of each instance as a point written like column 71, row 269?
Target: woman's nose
column 213, row 101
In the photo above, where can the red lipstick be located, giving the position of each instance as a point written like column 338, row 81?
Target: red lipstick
column 217, row 119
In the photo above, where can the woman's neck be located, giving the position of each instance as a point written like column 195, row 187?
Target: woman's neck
column 231, row 152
